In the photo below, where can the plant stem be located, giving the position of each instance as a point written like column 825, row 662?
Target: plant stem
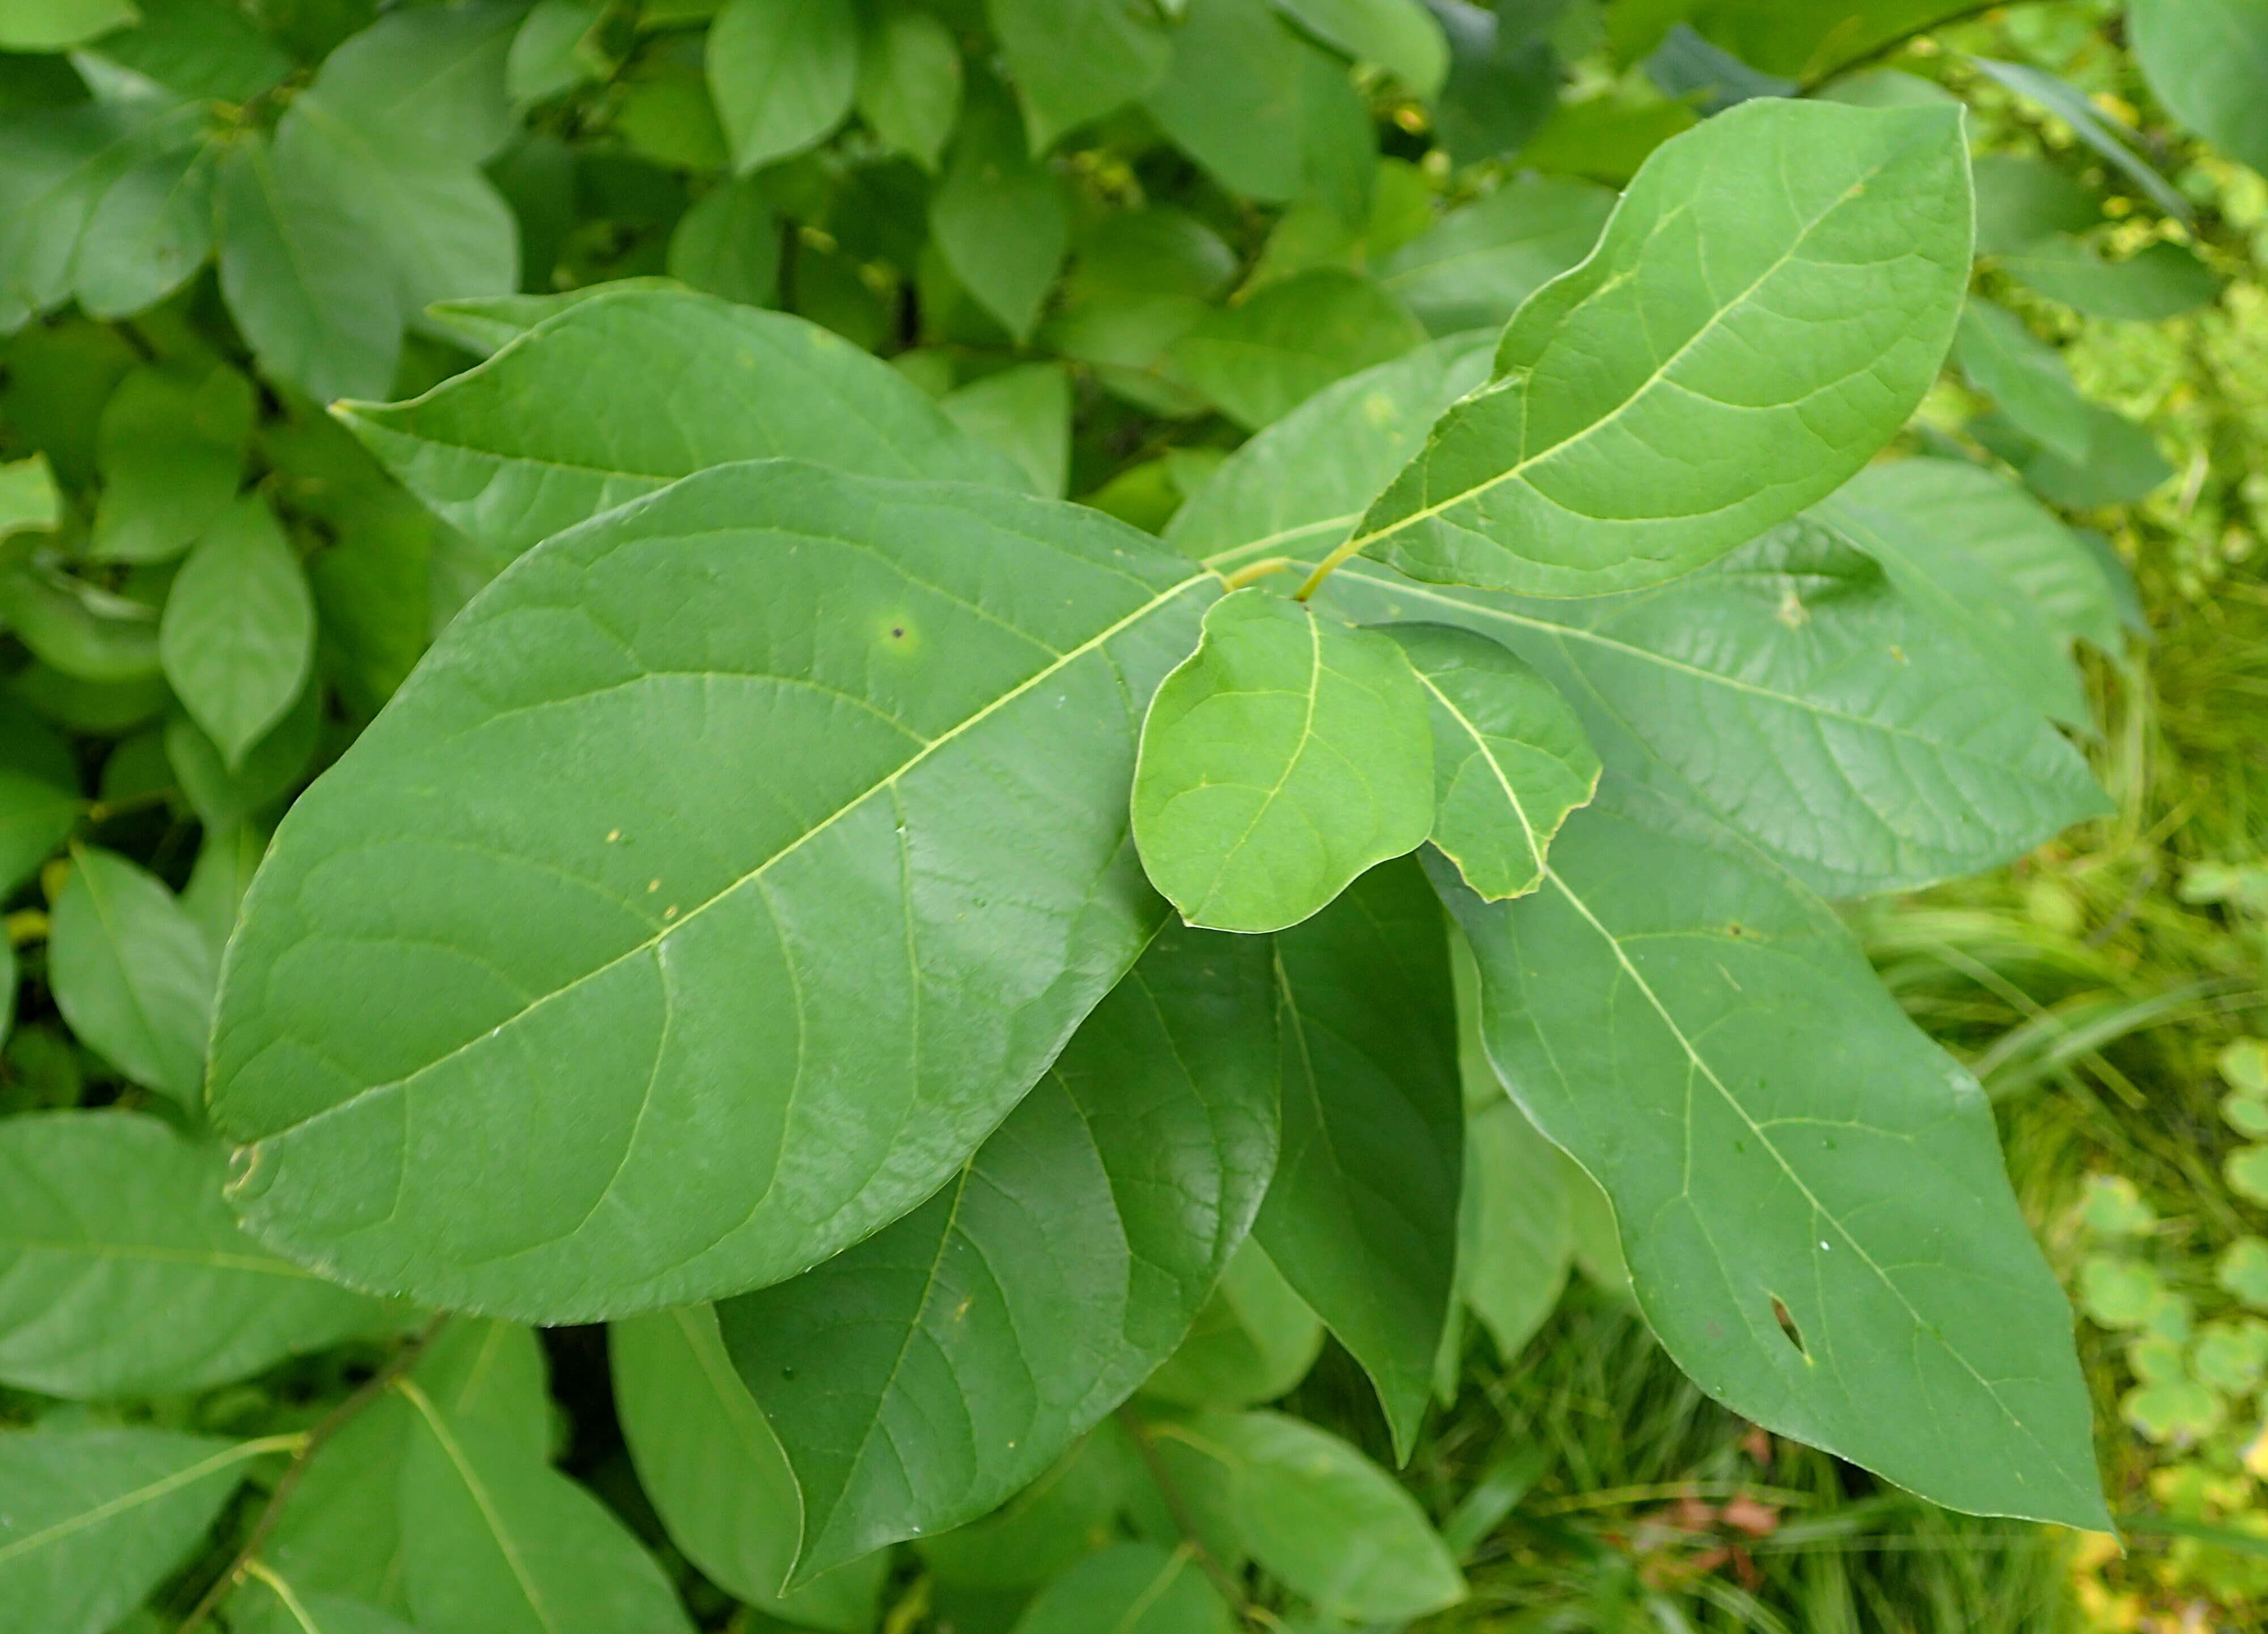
column 1323, row 568
column 1223, row 1581
column 1252, row 570
column 332, row 1423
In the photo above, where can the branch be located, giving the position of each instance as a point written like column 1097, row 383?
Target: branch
column 332, row 1423
column 1891, row 47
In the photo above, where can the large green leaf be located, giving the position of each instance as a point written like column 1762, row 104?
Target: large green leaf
column 727, row 938
column 494, row 1540
column 95, row 1517
column 1362, row 1218
column 239, row 633
column 1130, row 1588
column 2206, row 60
column 1077, row 60
column 1803, row 696
column 1810, row 1192
column 715, row 1472
column 1263, row 358
column 1478, row 263
column 122, row 1273
column 783, row 73
column 131, row 972
column 670, row 383
column 1282, row 757
column 1770, row 300
column 919, row 1379
column 1510, row 759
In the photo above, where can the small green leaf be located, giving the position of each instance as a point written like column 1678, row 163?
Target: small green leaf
column 1362, row 1219
column 1025, row 412
column 715, row 1471
column 1700, row 377
column 1510, row 759
column 1077, row 60
column 426, row 83
column 1282, row 757
column 172, row 451
column 783, row 73
column 2158, row 282
column 921, row 1378
column 2115, row 141
column 1255, row 1339
column 271, row 1604
column 132, row 973
column 2243, row 1271
column 2026, row 376
column 80, row 629
column 1503, row 81
column 1515, row 1237
column 2122, row 465
column 2205, row 60
column 28, row 500
column 1130, row 1588
column 999, row 217
column 40, row 801
column 728, row 244
column 1477, row 265
column 909, row 89
column 1400, row 36
column 96, row 1519
column 1334, row 1526
column 2024, row 202
column 495, row 1541
column 148, row 235
column 273, row 767
column 1810, row 40
column 1811, row 1195
column 58, row 25
column 239, row 634
column 123, row 1274
column 554, row 49
column 206, row 49
column 1261, row 360
column 1068, row 1514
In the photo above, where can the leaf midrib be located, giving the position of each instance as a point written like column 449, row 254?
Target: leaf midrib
column 150, row 1494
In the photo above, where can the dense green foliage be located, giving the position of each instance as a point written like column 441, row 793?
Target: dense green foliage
column 971, row 987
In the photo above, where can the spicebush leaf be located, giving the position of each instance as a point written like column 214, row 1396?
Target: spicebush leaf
column 725, row 891
column 728, row 244
column 96, row 1517
column 271, row 768
column 1770, row 300
column 239, row 634
column 2026, row 376
column 2157, row 281
column 1069, row 1513
column 675, row 383
column 200, row 49
column 1503, row 81
column 2205, row 60
column 1778, row 1139
column 495, row 1541
column 1510, row 759
column 2112, row 138
column 172, row 451
column 909, row 87
column 2024, row 202
column 1025, row 412
column 1810, row 40
column 271, row 1604
column 148, row 233
column 1261, row 360
column 1476, row 265
column 1282, row 757
column 1333, row 1525
column 123, row 1274
column 427, row 82
column 1255, row 1339
column 84, row 631
column 2124, row 463
column 783, row 73
column 131, row 973
column 1130, row 1588
column 1362, row 1218
column 1514, row 1240
column 716, row 1473
column 39, row 798
column 998, row 217
column 1400, row 36
column 1804, row 698
column 919, row 1379
column 1077, row 60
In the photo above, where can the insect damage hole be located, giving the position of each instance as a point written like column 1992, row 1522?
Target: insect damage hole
column 1789, row 1329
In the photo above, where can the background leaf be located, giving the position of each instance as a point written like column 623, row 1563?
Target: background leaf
column 783, row 73
column 2204, row 60
column 1262, row 359
column 999, row 218
column 1077, row 60
column 1130, row 1588
column 132, row 973
column 239, row 634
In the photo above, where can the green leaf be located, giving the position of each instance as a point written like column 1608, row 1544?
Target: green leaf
column 555, row 48
column 908, row 89
column 672, row 383
column 1282, row 757
column 715, row 1471
column 1130, row 1588
column 1476, row 265
column 1074, row 61
column 1809, row 41
column 321, row 312
column 1262, row 358
column 58, row 25
column 728, row 244
column 40, row 801
column 123, row 1274
column 1333, row 1525
column 1400, row 36
column 495, row 1541
column 132, row 973
column 1025, row 412
column 1510, row 759
column 273, row 767
column 1807, row 700
column 2023, row 201
column 172, row 451
column 271, row 1604
column 1069, row 1513
column 28, row 500
column 718, row 927
column 1811, row 1195
column 921, row 1378
column 2122, row 465
column 2205, row 61
column 2026, row 376
column 205, row 49
column 1704, row 374
column 1269, row 113
column 2158, row 282
column 97, row 1518
column 85, row 632
column 1514, row 1238
column 217, row 882
column 425, row 83
column 999, row 218
column 2115, row 141
column 239, row 634
column 1503, row 81
column 783, row 73
column 1255, row 1339
column 148, row 233
column 1362, row 1218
